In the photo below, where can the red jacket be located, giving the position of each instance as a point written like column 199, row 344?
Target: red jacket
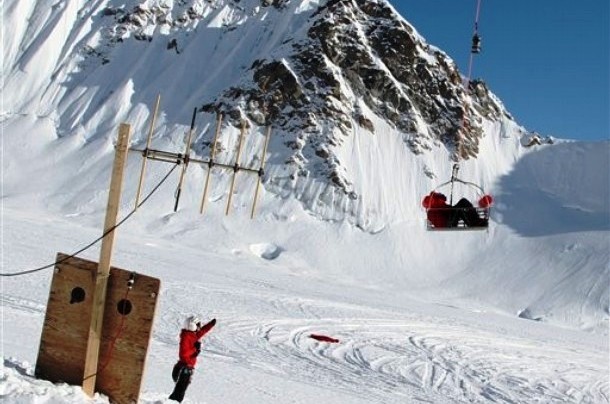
column 437, row 209
column 188, row 351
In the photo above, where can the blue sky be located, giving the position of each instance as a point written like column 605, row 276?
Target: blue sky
column 547, row 60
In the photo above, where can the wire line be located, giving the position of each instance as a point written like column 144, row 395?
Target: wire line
column 30, row 271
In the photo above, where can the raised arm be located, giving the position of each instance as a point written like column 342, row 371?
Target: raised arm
column 206, row 328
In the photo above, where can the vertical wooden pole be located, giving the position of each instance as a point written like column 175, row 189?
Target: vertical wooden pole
column 187, row 152
column 260, row 173
column 103, row 269
column 236, row 167
column 150, row 133
column 211, row 164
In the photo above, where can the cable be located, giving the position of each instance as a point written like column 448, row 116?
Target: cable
column 475, row 32
column 465, row 121
column 116, row 336
column 99, row 238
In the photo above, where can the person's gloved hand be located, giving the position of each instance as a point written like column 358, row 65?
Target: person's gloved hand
column 213, row 322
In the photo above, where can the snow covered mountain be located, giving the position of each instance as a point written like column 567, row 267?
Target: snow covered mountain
column 331, row 77
column 366, row 118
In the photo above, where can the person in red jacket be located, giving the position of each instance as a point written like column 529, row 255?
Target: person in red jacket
column 190, row 346
column 441, row 214
column 437, row 209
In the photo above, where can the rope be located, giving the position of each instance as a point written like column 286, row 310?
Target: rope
column 466, row 82
column 474, row 32
column 99, row 238
column 476, row 19
column 113, row 342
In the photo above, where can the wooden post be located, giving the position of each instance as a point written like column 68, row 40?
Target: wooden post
column 211, row 164
column 236, row 167
column 258, row 183
column 148, row 140
column 187, row 153
column 103, row 269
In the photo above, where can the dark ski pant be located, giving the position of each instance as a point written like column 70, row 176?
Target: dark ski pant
column 182, row 376
column 465, row 211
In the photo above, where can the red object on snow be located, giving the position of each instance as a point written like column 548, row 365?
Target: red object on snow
column 486, row 201
column 323, row 338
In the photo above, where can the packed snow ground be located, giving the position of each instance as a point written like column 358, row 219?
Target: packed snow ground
column 413, row 326
column 393, row 346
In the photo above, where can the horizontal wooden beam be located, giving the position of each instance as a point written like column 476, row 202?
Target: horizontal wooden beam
column 179, row 158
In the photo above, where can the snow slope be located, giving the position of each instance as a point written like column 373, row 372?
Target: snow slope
column 394, row 345
column 518, row 313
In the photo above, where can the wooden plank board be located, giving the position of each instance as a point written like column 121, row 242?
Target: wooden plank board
column 125, row 337
column 63, row 345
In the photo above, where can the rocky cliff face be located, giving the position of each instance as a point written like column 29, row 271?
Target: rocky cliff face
column 360, row 53
column 354, row 58
column 360, row 103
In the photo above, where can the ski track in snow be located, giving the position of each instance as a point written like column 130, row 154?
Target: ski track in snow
column 385, row 355
column 412, row 359
column 428, row 363
column 21, row 304
column 392, row 358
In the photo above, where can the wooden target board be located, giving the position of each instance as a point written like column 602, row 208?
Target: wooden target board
column 126, row 329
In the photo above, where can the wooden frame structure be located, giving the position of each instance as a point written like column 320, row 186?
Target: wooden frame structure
column 130, row 306
column 185, row 159
column 86, row 315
